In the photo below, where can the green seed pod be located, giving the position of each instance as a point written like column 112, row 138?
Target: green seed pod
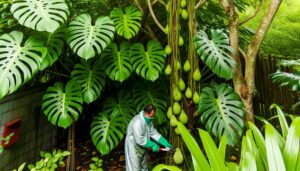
column 184, row 14
column 178, row 65
column 176, row 108
column 168, row 69
column 173, row 121
column 188, row 93
column 187, row 66
column 181, row 85
column 197, row 75
column 176, row 94
column 183, row 118
column 177, row 131
column 196, row 98
column 168, row 50
column 167, row 29
column 183, row 3
column 178, row 158
column 180, row 41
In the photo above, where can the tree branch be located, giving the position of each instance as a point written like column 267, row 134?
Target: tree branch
column 255, row 13
column 200, row 2
column 150, row 32
column 154, row 17
column 139, row 6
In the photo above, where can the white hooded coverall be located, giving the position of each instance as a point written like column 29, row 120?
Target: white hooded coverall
column 138, row 132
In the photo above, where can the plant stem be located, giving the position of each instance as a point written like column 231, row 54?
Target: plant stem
column 57, row 73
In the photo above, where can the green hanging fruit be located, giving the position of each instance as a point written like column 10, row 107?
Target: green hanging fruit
column 196, row 98
column 188, row 93
column 177, row 131
column 178, row 65
column 176, row 94
column 184, row 14
column 183, row 118
column 178, row 158
column 168, row 69
column 173, row 121
column 169, row 112
column 183, row 3
column 167, row 29
column 197, row 75
column 176, row 108
column 181, row 85
column 187, row 66
column 168, row 50
column 180, row 41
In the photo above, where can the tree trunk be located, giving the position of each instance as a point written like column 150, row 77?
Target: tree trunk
column 71, row 148
column 244, row 85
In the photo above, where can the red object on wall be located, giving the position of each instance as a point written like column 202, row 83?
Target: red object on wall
column 12, row 126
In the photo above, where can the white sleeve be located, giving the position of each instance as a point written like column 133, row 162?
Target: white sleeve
column 153, row 133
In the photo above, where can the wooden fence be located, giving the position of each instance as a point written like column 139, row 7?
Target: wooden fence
column 268, row 92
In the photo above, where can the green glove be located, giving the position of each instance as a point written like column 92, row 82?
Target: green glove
column 150, row 144
column 164, row 142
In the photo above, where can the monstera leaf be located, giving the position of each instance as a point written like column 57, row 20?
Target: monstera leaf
column 117, row 62
column 148, row 63
column 155, row 93
column 18, row 63
column 122, row 106
column 88, row 40
column 222, row 112
column 215, row 52
column 106, row 132
column 41, row 15
column 291, row 79
column 91, row 77
column 62, row 105
column 128, row 24
column 54, row 42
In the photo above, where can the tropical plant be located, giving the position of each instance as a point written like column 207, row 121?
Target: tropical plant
column 88, row 40
column 96, row 165
column 18, row 62
column 6, row 141
column 149, row 62
column 116, row 61
column 127, row 24
column 50, row 161
column 91, row 77
column 62, row 105
column 106, row 131
column 215, row 52
column 21, row 167
column 40, row 15
column 222, row 112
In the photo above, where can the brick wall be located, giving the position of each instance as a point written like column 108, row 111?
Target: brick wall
column 36, row 132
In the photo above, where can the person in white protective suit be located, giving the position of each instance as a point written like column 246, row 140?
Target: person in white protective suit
column 139, row 132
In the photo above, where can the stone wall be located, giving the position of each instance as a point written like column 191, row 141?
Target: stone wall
column 36, row 133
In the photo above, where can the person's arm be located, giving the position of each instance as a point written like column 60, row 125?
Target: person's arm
column 159, row 138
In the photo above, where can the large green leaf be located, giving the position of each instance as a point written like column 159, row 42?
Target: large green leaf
column 292, row 146
column 55, row 44
column 117, row 62
column 155, row 93
column 62, row 105
column 283, row 123
column 41, row 15
column 216, row 160
column 18, row 63
column 215, row 52
column 222, row 112
column 91, row 77
column 127, row 24
column 148, row 63
column 275, row 159
column 194, row 148
column 106, row 131
column 121, row 106
column 88, row 40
